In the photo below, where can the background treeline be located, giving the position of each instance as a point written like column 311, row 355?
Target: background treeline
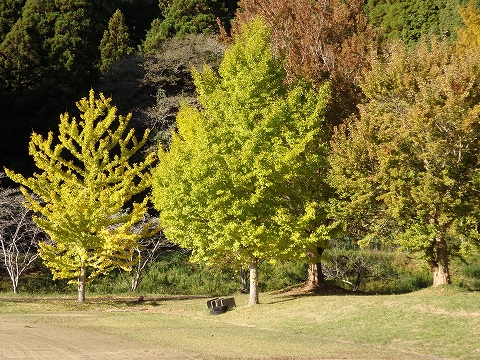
column 52, row 52
column 141, row 52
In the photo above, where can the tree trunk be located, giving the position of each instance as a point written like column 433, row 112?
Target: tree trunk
column 82, row 280
column 244, row 278
column 441, row 272
column 253, row 300
column 135, row 280
column 316, row 279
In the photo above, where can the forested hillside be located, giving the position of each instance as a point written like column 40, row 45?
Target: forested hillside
column 52, row 53
column 384, row 146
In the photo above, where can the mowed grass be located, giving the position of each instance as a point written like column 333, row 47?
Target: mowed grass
column 440, row 323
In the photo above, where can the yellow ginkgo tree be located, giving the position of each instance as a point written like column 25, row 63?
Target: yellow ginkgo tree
column 86, row 180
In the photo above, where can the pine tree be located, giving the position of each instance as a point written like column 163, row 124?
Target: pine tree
column 115, row 43
column 182, row 17
column 85, row 182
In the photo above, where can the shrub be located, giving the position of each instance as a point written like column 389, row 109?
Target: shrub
column 469, row 272
column 375, row 271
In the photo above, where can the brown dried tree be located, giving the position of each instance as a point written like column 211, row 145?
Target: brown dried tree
column 322, row 40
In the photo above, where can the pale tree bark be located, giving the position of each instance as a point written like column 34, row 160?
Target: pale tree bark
column 82, row 281
column 439, row 265
column 253, row 299
column 16, row 261
column 19, row 235
column 316, row 278
column 150, row 250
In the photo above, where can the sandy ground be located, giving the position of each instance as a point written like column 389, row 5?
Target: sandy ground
column 27, row 340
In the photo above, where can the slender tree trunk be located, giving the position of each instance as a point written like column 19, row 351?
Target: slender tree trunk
column 82, row 280
column 253, row 300
column 441, row 272
column 316, row 279
column 244, row 272
column 135, row 280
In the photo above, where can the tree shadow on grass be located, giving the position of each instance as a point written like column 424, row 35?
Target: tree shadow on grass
column 300, row 290
column 115, row 301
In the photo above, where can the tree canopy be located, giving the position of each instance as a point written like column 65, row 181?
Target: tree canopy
column 115, row 43
column 407, row 168
column 85, row 185
column 242, row 178
column 323, row 40
column 182, row 17
column 469, row 36
column 412, row 20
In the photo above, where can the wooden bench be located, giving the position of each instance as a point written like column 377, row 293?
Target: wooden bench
column 220, row 305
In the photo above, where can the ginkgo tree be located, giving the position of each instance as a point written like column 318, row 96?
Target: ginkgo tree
column 407, row 168
column 241, row 179
column 86, row 181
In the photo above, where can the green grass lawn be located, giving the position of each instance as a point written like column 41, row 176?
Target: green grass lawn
column 441, row 323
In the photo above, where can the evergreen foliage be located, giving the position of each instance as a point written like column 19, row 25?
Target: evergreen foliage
column 115, row 43
column 10, row 12
column 182, row 17
column 411, row 20
column 49, row 57
column 242, row 179
column 85, row 183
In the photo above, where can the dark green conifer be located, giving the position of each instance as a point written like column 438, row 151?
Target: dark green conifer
column 115, row 43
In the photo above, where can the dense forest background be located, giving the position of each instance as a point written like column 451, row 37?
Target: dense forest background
column 53, row 51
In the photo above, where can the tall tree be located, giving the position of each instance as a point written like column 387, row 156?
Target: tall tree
column 115, row 43
column 11, row 11
column 243, row 176
column 322, row 40
column 408, row 167
column 86, row 180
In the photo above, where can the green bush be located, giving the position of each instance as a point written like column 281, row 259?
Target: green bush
column 375, row 271
column 469, row 273
column 281, row 275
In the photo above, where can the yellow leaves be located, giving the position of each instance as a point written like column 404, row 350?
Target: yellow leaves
column 83, row 198
column 241, row 170
column 469, row 37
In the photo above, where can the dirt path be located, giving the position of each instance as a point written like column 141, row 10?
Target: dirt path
column 28, row 340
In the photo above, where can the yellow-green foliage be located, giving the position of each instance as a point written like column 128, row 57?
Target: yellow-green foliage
column 242, row 177
column 407, row 168
column 84, row 184
column 469, row 37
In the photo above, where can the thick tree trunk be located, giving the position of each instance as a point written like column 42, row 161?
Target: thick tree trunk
column 316, row 279
column 82, row 281
column 253, row 299
column 441, row 272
